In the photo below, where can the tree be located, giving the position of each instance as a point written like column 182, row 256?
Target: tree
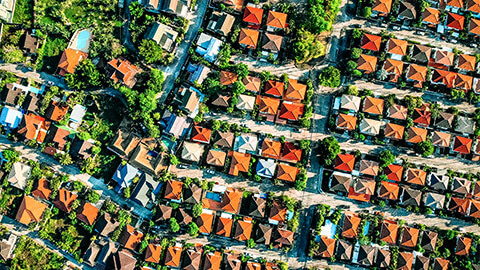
column 356, row 52
column 150, row 51
column 197, row 210
column 173, row 160
column 424, row 148
column 328, row 150
column 78, row 186
column 250, row 243
column 193, row 229
column 174, row 226
column 93, row 196
column 351, row 65
column 357, row 33
column 300, row 184
column 330, row 77
column 11, row 54
column 242, row 70
column 126, row 192
column 307, row 46
column 65, row 159
column 86, row 76
column 367, row 12
column 386, row 158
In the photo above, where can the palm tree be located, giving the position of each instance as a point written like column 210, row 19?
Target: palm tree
column 382, row 74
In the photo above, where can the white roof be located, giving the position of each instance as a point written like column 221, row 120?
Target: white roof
column 77, row 113
column 192, row 151
column 370, row 126
column 266, row 168
column 246, row 143
column 245, row 102
column 350, row 102
column 19, row 175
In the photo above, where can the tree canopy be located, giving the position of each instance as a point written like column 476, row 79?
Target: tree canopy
column 330, row 77
column 328, row 150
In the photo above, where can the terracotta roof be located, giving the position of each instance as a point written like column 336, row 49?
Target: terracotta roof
column 440, row 264
column 240, row 163
column 291, row 153
column 389, row 231
column 409, row 237
column 388, row 190
column 347, row 122
column 272, row 42
column 212, row 261
column 216, row 158
column 56, row 111
column 444, row 77
column 231, row 200
column 253, row 15
column 350, row 226
column 431, row 15
column 326, row 247
column 43, row 189
column 243, row 230
column 122, row 70
column 371, row 42
column 283, row 237
column 33, row 127
column 397, row 112
column 417, row 73
column 394, row 131
column 70, row 60
column 65, row 200
column 295, row 90
column 88, row 214
column 205, row 222
column 344, row 162
column 466, row 62
column 416, row 176
column 367, row 63
column 286, row 172
column 173, row 255
column 444, row 57
column 278, row 212
column 277, row 19
column 173, row 190
column 224, row 139
column 397, row 46
column 455, row 21
column 421, row 53
column 201, row 134
column 267, row 105
column 394, row 68
column 224, row 226
column 416, row 135
column 365, row 186
column 253, row 266
column 373, row 105
column 405, row 261
column 369, row 167
column 473, row 5
column 441, row 139
column 130, row 237
column 249, row 38
column 382, row 6
column 462, row 145
column 291, row 110
column 394, row 172
column 271, row 148
column 252, row 83
column 233, row 261
column 455, row 3
column 227, row 78
column 474, row 210
column 463, row 81
column 274, row 88
column 422, row 117
column 30, row 210
column 463, row 246
column 459, row 205
column 153, row 253
column 474, row 26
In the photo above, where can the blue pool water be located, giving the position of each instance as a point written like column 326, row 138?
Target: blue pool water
column 82, row 39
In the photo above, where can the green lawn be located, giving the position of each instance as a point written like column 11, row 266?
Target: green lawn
column 23, row 12
column 32, row 256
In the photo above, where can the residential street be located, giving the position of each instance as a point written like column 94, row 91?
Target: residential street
column 40, row 77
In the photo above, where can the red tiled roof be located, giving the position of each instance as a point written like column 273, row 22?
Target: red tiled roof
column 243, row 230
column 227, row 78
column 388, row 190
column 201, row 134
column 274, row 88
column 394, row 172
column 347, row 122
column 43, row 189
column 88, row 214
column 463, row 81
column 286, row 172
column 455, row 3
column 417, row 73
column 240, row 163
column 350, row 226
column 123, row 71
column 474, row 26
column 253, row 15
column 267, row 105
column 463, row 246
column 459, row 205
column 367, row 63
column 344, row 162
column 295, row 90
column 291, row 153
column 205, row 222
column 291, row 110
column 443, row 77
column 173, row 190
column 224, row 226
column 65, row 200
column 416, row 135
column 373, row 105
column 473, row 5
column 371, row 42
column 455, row 21
column 422, row 117
column 431, row 15
column 173, row 255
column 462, row 145
column 466, row 62
column 70, row 60
column 277, row 19
column 30, row 210
column 383, row 6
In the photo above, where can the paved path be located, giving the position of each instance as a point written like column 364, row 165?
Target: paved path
column 75, row 173
column 40, row 77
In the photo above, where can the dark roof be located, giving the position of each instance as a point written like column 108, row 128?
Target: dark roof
column 421, row 262
column 344, row 250
column 192, row 194
column 122, row 260
column 366, row 255
column 81, row 149
column 407, row 10
column 256, row 207
column 192, row 260
column 411, row 196
column 10, row 94
column 263, row 234
column 30, row 43
column 163, row 213
column 183, row 216
column 429, row 240
column 383, row 258
column 421, row 53
column 106, row 224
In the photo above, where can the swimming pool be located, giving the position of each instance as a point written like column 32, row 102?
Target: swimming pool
column 82, row 39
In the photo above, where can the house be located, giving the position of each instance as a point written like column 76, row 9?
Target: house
column 147, row 160
column 201, row 134
column 145, row 191
column 340, row 182
column 106, row 224
column 371, row 42
column 455, row 21
column 440, row 264
column 33, row 127
column 287, row 173
column 405, row 260
column 163, row 35
column 420, row 53
column 409, row 237
column 266, row 168
column 397, row 112
column 383, row 258
column 444, row 58
column 70, row 60
column 473, row 6
column 253, row 266
column 227, row 78
column 56, row 111
column 416, row 135
column 263, row 234
column 393, row 172
column 253, row 16
column 177, row 126
column 124, row 143
column 81, row 149
column 434, row 200
column 163, row 213
column 65, row 200
column 30, row 210
column 422, row 117
column 290, row 111
column 431, row 16
column 326, row 247
column 183, row 216
column 388, row 190
column 276, row 20
column 466, row 62
column 248, row 38
column 373, row 105
column 344, row 162
column 474, row 210
column 463, row 82
column 176, row 7
column 10, row 117
column 221, row 23
column 370, row 127
column 153, row 253
column 282, row 237
column 444, row 120
column 208, row 47
column 189, row 99
column 366, row 255
column 394, row 69
column 271, row 42
column 197, row 73
column 173, row 190
column 465, row 125
column 411, row 197
column 367, row 63
column 76, row 116
column 229, row 202
column 461, row 186
column 240, row 163
column 245, row 102
column 417, row 74
column 122, row 260
column 11, row 93
column 256, row 206
column 212, row 260
column 122, row 71
column 351, row 224
column 151, row 5
column 346, row 122
column 224, row 139
column 350, row 102
column 124, row 176
column 252, row 84
column 394, row 131
column 429, row 240
column 344, row 250
column 382, row 7
column 474, row 26
column 19, row 175
column 224, row 225
column 406, row 11
column 221, row 101
column 42, row 189
column 216, row 158
column 243, row 229
column 278, row 212
column 291, row 153
column 459, row 205
column 454, row 4
column 58, row 137
column 130, row 237
column 362, row 189
column 246, row 143
column 438, row 181
column 271, row 148
column 462, row 145
column 192, row 259
column 443, row 77
column 396, row 47
column 389, row 231
column 463, row 246
column 368, row 167
column 87, row 213
column 7, row 247
column 232, row 261
column 274, row 88
column 205, row 222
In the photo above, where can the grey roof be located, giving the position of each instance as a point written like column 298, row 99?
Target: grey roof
column 434, row 200
column 266, row 168
column 31, row 103
column 106, row 224
column 437, row 181
column 108, row 248
column 421, row 262
column 421, row 53
column 256, row 206
column 366, row 255
column 264, row 234
column 407, row 10
column 163, row 213
column 124, row 175
column 344, row 250
column 461, row 185
column 192, row 194
column 383, row 258
column 178, row 7
column 19, row 175
column 445, row 120
column 429, row 240
column 144, row 192
column 411, row 196
column 340, row 182
column 221, row 22
column 465, row 125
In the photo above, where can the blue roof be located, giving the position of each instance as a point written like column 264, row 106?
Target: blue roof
column 10, row 117
column 124, row 176
column 208, row 47
column 266, row 168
